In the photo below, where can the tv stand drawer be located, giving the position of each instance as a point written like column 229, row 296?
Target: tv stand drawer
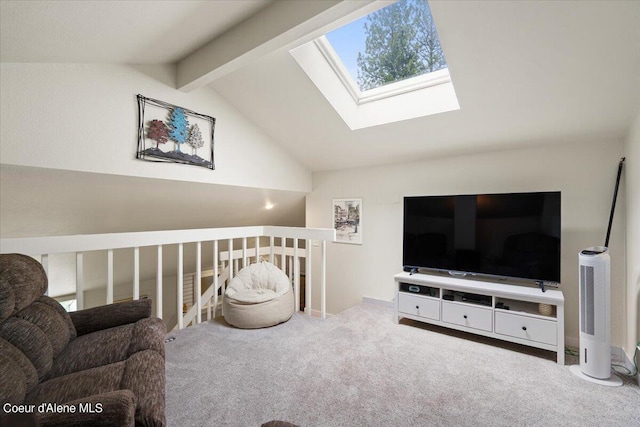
column 419, row 306
column 528, row 328
column 467, row 315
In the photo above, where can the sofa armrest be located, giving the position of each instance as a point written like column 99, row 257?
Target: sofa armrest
column 111, row 315
column 115, row 408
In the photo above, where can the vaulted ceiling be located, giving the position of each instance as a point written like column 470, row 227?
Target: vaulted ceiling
column 526, row 72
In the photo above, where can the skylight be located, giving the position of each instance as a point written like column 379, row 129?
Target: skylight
column 394, row 43
column 383, row 67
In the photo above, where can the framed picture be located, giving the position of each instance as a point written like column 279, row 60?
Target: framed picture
column 347, row 220
column 168, row 133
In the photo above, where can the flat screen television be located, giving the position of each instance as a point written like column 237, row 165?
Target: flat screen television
column 514, row 235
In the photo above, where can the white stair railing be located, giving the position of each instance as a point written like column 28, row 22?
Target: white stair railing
column 209, row 296
column 264, row 254
column 289, row 259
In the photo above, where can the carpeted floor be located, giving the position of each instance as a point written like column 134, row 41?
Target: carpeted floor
column 360, row 369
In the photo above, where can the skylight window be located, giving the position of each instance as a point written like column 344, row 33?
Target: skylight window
column 394, row 43
column 383, row 67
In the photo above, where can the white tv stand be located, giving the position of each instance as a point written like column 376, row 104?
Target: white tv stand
column 441, row 300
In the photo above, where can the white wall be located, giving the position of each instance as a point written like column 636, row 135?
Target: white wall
column 632, row 178
column 68, row 138
column 84, row 117
column 584, row 173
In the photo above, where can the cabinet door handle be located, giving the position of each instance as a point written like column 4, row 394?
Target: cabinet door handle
column 417, row 307
column 465, row 316
column 524, row 328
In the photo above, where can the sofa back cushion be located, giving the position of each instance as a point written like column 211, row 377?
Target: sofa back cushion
column 18, row 376
column 22, row 281
column 13, row 387
column 31, row 341
column 43, row 314
column 31, row 323
column 7, row 299
column 62, row 313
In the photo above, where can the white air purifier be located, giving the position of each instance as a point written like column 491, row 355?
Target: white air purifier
column 595, row 317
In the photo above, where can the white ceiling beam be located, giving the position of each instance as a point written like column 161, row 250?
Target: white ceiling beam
column 278, row 25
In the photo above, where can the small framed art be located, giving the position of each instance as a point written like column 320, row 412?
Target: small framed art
column 347, row 220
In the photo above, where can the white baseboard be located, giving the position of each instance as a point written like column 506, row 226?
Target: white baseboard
column 318, row 314
column 376, row 301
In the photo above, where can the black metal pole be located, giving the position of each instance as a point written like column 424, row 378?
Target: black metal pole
column 613, row 204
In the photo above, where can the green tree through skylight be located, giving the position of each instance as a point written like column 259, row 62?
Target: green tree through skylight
column 401, row 42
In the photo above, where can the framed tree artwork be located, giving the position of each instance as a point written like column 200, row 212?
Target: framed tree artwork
column 168, row 133
column 347, row 220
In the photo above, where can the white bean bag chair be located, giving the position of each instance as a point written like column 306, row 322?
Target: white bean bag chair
column 260, row 295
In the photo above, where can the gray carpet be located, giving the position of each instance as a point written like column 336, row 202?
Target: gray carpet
column 360, row 369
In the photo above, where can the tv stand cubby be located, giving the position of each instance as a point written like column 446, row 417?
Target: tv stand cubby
column 519, row 314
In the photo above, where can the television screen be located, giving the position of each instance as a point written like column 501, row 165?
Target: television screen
column 507, row 235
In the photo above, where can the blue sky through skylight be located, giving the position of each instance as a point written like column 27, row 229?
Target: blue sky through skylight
column 404, row 44
column 347, row 41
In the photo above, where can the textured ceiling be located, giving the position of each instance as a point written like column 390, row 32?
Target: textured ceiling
column 136, row 32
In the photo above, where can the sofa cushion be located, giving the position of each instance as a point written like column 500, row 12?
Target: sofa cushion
column 23, row 277
column 13, row 384
column 30, row 340
column 109, row 346
column 62, row 312
column 148, row 334
column 109, row 316
column 39, row 332
column 142, row 373
column 20, row 369
column 7, row 300
column 45, row 317
column 117, row 408
column 77, row 385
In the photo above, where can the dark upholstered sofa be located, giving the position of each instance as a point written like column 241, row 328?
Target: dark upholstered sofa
column 102, row 366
